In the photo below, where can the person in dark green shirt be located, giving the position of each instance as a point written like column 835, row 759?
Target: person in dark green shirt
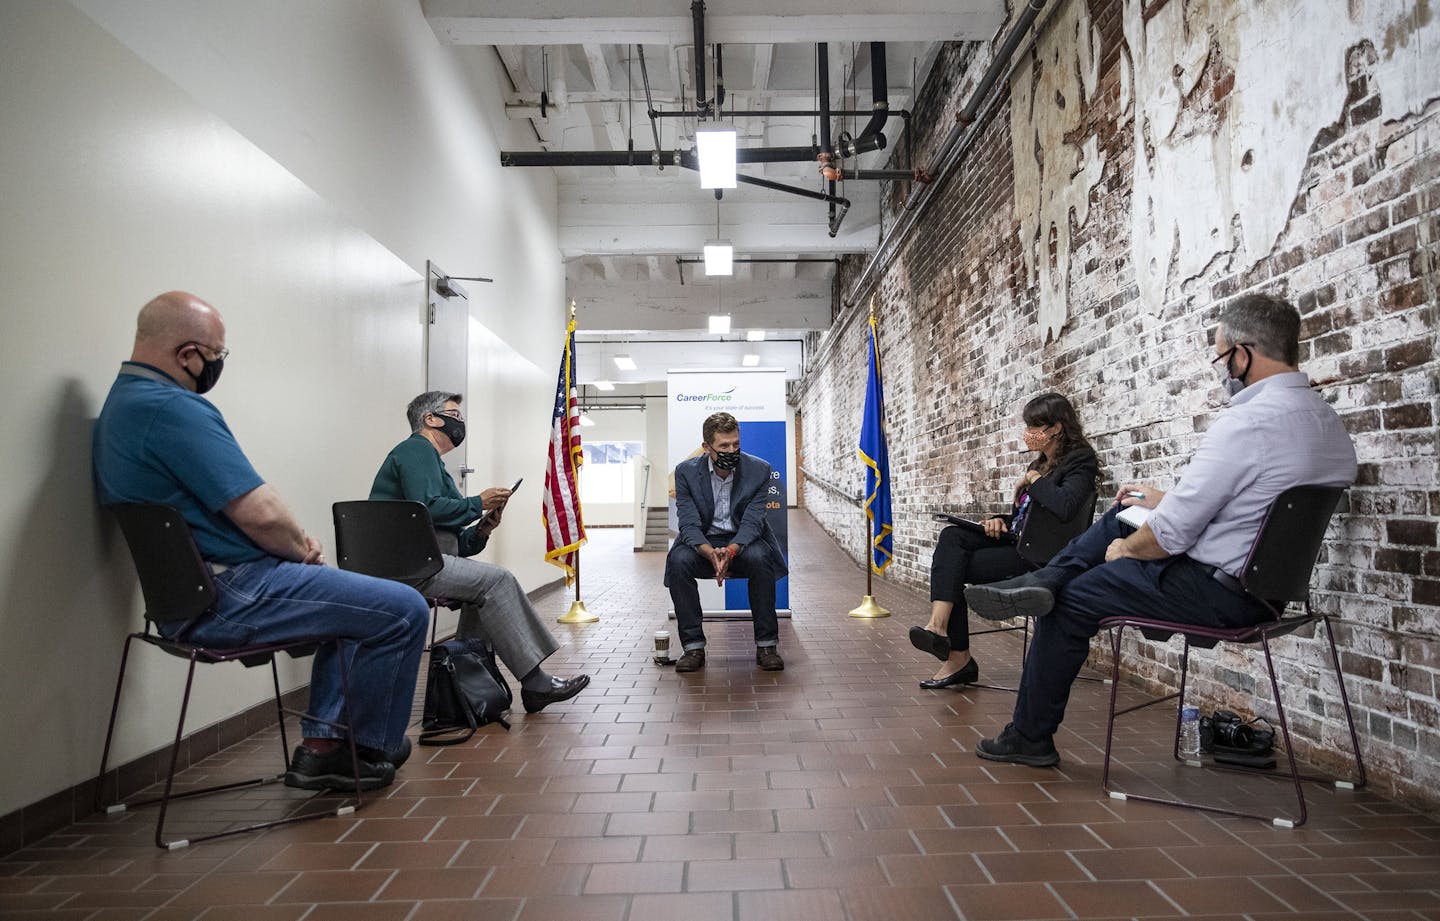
column 494, row 606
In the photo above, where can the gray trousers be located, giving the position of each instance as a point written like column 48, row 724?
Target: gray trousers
column 507, row 620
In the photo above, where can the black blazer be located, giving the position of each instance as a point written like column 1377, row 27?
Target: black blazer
column 1065, row 489
column 1061, row 505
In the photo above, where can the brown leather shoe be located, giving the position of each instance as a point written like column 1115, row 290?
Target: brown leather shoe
column 768, row 659
column 692, row 661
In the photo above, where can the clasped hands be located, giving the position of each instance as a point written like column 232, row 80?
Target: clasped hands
column 720, row 558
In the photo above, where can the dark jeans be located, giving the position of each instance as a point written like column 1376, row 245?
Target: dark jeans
column 1088, row 589
column 963, row 557
column 685, row 564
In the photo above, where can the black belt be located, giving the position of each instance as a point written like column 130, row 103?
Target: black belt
column 1224, row 578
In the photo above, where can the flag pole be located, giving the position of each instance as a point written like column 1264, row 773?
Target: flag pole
column 578, row 614
column 868, row 608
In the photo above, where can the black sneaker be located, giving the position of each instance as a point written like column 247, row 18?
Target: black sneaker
column 1011, row 747
column 692, row 661
column 332, row 770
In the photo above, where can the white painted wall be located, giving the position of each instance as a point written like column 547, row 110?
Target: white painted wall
column 295, row 165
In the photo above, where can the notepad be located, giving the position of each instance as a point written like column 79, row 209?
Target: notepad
column 1134, row 515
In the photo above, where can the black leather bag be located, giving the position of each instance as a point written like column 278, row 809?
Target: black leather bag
column 464, row 690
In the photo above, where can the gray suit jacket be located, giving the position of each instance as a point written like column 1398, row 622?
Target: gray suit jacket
column 695, row 504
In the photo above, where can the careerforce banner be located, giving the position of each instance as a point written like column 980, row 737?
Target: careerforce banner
column 756, row 397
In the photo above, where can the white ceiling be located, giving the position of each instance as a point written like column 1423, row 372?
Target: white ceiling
column 622, row 228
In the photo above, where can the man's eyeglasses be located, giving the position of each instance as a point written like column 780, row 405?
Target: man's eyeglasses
column 455, row 414
column 220, row 354
column 1228, row 353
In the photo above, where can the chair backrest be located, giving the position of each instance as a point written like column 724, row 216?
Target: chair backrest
column 1278, row 567
column 389, row 539
column 1045, row 533
column 174, row 578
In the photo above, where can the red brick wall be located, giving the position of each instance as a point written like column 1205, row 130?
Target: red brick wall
column 962, row 352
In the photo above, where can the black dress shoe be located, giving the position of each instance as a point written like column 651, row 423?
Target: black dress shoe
column 691, row 661
column 560, row 689
column 397, row 756
column 769, row 659
column 1011, row 747
column 1022, row 596
column 965, row 674
column 928, row 641
column 332, row 770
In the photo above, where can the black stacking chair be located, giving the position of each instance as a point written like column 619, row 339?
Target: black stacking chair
column 1044, row 535
column 1278, row 572
column 389, row 539
column 177, row 586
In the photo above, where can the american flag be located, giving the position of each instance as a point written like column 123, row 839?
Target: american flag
column 564, row 525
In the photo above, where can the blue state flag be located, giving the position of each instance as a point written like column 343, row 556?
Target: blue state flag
column 877, row 463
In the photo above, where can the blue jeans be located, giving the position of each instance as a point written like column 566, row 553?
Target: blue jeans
column 384, row 622
column 1087, row 590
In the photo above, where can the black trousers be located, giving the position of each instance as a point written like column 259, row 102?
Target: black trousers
column 963, row 558
column 684, row 565
column 1088, row 590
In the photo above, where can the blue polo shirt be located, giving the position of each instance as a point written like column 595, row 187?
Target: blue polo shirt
column 156, row 441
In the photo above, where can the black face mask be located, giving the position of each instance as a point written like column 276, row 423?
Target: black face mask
column 727, row 460
column 453, row 428
column 209, row 373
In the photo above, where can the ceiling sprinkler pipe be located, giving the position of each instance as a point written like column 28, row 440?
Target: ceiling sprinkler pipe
column 697, row 13
column 839, row 216
column 871, row 137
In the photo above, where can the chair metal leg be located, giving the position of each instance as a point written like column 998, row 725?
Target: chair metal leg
column 1359, row 780
column 165, row 798
column 280, row 714
column 1285, row 735
column 1294, row 775
column 100, row 805
column 1114, row 689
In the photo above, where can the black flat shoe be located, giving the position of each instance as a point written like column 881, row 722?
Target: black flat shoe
column 965, row 674
column 560, row 689
column 933, row 643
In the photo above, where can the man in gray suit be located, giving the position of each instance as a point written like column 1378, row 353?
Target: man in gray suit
column 720, row 503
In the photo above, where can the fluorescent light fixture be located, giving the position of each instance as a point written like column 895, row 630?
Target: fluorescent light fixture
column 719, row 258
column 750, row 360
column 604, row 385
column 715, row 148
column 624, row 362
column 586, row 421
column 720, row 323
column 755, row 335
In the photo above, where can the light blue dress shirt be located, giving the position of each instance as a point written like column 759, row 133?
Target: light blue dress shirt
column 1276, row 434
column 721, row 486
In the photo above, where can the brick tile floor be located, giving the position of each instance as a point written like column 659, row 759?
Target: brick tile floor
column 834, row 790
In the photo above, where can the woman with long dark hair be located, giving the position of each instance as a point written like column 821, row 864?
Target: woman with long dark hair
column 1061, row 477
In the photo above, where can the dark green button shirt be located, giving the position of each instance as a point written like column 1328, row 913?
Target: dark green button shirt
column 413, row 470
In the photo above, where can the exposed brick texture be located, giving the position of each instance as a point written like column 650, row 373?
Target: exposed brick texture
column 962, row 352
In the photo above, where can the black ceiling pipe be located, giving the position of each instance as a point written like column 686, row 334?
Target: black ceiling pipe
column 951, row 151
column 822, row 63
column 871, row 137
column 719, row 77
column 682, row 260
column 777, row 113
column 697, row 13
column 650, row 105
column 1001, row 62
column 647, row 157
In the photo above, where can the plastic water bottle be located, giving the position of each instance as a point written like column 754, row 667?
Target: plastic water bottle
column 1190, row 733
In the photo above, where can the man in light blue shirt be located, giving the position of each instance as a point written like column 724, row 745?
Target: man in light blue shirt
column 1181, row 564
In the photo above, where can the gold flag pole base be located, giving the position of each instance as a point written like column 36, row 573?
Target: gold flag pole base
column 577, row 614
column 868, row 608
